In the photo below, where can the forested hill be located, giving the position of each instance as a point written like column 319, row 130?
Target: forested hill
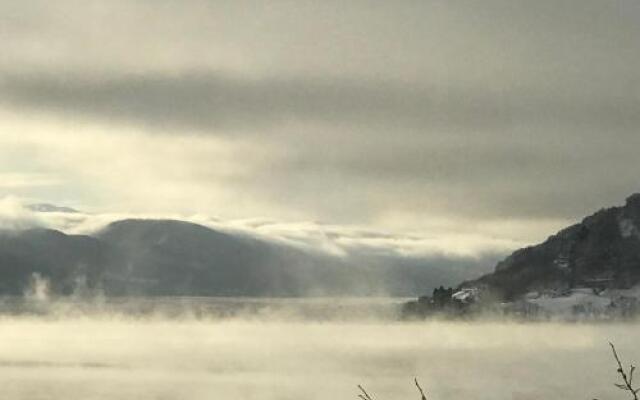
column 601, row 251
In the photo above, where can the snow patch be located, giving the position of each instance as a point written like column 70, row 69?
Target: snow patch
column 565, row 305
column 581, row 302
column 628, row 229
column 468, row 295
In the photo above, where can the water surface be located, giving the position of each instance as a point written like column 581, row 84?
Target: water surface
column 280, row 349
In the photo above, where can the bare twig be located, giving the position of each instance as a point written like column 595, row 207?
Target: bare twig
column 364, row 395
column 626, row 378
column 420, row 389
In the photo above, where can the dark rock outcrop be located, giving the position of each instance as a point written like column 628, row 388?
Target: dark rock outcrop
column 601, row 251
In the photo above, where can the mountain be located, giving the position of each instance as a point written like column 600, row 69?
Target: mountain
column 602, row 251
column 62, row 259
column 177, row 258
column 168, row 257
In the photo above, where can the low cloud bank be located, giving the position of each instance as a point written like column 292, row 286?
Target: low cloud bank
column 336, row 240
column 15, row 215
column 305, row 258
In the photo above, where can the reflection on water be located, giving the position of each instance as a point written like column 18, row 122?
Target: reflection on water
column 156, row 354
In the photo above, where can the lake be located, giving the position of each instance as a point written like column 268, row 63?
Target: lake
column 294, row 349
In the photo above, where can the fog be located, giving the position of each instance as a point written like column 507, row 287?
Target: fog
column 106, row 351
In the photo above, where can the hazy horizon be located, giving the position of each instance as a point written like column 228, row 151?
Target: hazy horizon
column 478, row 126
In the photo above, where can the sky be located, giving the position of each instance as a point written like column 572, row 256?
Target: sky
column 474, row 125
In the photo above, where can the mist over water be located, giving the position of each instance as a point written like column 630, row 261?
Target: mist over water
column 137, row 349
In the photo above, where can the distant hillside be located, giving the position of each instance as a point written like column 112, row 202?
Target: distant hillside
column 179, row 258
column 164, row 257
column 169, row 257
column 63, row 259
column 601, row 251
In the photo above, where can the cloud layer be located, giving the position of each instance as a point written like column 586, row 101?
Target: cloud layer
column 467, row 122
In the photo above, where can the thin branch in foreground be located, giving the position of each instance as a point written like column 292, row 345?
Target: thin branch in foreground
column 420, row 389
column 627, row 378
column 364, row 395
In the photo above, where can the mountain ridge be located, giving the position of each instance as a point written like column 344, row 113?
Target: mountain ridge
column 163, row 257
column 601, row 251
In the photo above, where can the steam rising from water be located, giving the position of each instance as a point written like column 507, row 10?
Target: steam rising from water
column 38, row 288
column 269, row 355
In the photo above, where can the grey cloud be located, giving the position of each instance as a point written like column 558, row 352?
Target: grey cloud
column 347, row 112
column 549, row 173
column 219, row 103
column 337, row 172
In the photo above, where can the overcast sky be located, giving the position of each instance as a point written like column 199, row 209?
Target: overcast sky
column 490, row 123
